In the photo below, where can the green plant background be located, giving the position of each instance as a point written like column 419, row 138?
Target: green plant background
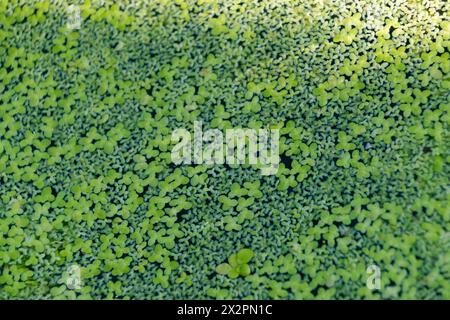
column 359, row 91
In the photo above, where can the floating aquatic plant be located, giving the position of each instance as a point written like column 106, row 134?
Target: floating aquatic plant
column 92, row 207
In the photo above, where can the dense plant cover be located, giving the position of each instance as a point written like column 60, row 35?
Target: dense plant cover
column 360, row 93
